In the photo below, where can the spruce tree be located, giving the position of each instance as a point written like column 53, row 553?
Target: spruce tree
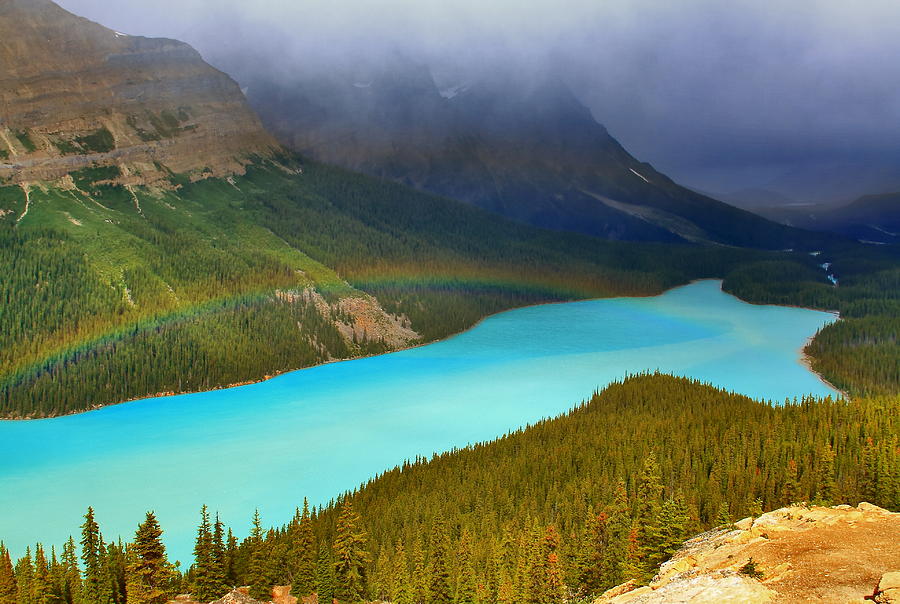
column 95, row 589
column 552, row 587
column 304, row 579
column 826, row 483
column 439, row 583
column 41, row 588
column 791, row 489
column 465, row 578
column 218, row 572
column 325, row 575
column 258, row 576
column 114, row 565
column 420, row 577
column 7, row 578
column 649, row 536
column 723, row 516
column 380, row 576
column 673, row 524
column 207, row 579
column 71, row 577
column 24, row 578
column 593, row 552
column 402, row 590
column 617, row 547
column 350, row 556
column 231, row 553
column 149, row 574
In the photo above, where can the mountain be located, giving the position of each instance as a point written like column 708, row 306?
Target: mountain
column 155, row 239
column 205, row 256
column 74, row 94
column 529, row 150
column 871, row 218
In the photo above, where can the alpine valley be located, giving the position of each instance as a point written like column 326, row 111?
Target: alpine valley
column 163, row 234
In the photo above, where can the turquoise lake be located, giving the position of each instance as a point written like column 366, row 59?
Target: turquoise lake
column 320, row 431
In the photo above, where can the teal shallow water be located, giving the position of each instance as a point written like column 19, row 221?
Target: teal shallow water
column 321, row 431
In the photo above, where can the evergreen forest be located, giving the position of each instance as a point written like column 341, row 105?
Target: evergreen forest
column 113, row 293
column 555, row 512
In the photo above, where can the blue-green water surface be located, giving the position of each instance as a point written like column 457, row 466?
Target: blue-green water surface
column 320, row 431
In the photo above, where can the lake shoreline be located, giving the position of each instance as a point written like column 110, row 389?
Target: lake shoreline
column 805, row 360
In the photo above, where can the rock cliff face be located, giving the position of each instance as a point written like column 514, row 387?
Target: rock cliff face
column 74, row 94
column 795, row 554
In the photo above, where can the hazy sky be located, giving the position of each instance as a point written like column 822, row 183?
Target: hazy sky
column 720, row 94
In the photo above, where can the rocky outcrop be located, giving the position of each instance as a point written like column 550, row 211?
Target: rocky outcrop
column 360, row 318
column 74, row 95
column 241, row 595
column 796, row 554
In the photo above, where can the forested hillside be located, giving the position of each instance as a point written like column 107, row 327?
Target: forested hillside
column 115, row 292
column 860, row 354
column 556, row 511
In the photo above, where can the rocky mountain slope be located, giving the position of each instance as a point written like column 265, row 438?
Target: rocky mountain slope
column 529, row 150
column 74, row 94
column 795, row 554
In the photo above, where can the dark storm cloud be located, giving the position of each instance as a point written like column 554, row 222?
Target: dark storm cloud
column 720, row 94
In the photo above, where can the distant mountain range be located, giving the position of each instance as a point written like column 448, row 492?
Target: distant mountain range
column 871, row 218
column 529, row 150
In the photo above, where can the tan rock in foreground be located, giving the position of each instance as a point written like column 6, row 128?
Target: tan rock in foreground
column 804, row 554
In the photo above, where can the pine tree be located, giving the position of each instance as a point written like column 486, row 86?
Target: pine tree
column 7, row 578
column 673, row 529
column 258, row 576
column 56, row 578
column 41, row 588
column 723, row 515
column 439, row 583
column 24, row 578
column 870, row 488
column 649, row 536
column 304, row 579
column 350, row 556
column 465, row 581
column 489, row 591
column 231, row 553
column 218, row 572
column 617, row 548
column 791, row 489
column 402, row 591
column 149, row 574
column 71, row 575
column 207, row 575
column 592, row 553
column 755, row 507
column 114, row 564
column 325, row 575
column 380, row 577
column 634, row 567
column 826, row 483
column 420, row 578
column 95, row 589
column 551, row 587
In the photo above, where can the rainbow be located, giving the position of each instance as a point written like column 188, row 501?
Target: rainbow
column 528, row 286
